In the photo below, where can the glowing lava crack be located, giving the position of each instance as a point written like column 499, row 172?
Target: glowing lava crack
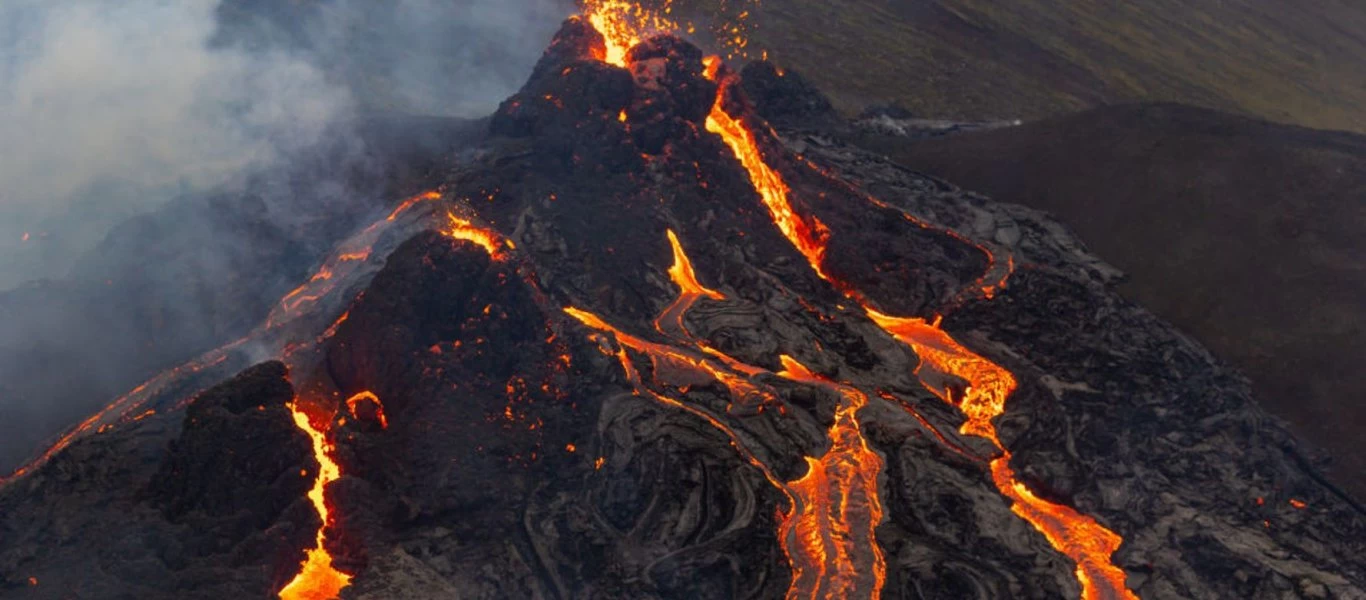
column 318, row 580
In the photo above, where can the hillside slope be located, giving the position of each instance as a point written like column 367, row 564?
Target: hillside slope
column 1244, row 233
column 980, row 59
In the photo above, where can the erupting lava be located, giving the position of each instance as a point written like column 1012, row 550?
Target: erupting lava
column 463, row 229
column 623, row 23
column 318, row 580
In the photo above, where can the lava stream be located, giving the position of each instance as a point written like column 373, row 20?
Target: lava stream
column 809, row 237
column 318, row 579
column 832, row 543
column 1078, row 536
column 689, row 290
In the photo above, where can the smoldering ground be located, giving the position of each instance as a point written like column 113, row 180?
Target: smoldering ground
column 169, row 169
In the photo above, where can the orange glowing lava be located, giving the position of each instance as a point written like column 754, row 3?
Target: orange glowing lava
column 809, row 237
column 410, row 202
column 623, row 24
column 831, row 540
column 354, row 404
column 317, row 580
column 689, row 291
column 1078, row 536
column 462, row 229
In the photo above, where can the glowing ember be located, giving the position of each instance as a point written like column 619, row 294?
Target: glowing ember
column 830, row 541
column 355, row 402
column 318, row 580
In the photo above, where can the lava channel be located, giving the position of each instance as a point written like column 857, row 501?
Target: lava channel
column 317, row 579
column 1078, row 536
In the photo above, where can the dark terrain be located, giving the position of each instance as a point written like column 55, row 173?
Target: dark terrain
column 1246, row 234
column 528, row 453
column 984, row 59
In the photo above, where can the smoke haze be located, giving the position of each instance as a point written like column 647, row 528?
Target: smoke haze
column 171, row 168
column 109, row 109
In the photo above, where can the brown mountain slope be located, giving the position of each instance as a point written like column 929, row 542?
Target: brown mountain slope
column 982, row 59
column 1246, row 234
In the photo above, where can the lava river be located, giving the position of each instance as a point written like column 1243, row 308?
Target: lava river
column 1078, row 536
column 828, row 531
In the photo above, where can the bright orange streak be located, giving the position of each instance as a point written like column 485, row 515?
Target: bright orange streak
column 659, row 353
column 689, row 292
column 673, row 360
column 407, row 204
column 462, row 229
column 353, row 403
column 318, row 580
column 809, row 238
column 831, row 541
column 682, row 273
column 1080, row 537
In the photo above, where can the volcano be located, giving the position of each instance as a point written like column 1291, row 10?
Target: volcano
column 666, row 335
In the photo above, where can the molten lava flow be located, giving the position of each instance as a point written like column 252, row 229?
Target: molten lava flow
column 662, row 355
column 354, row 403
column 410, row 202
column 680, row 367
column 809, row 238
column 126, row 408
column 318, row 580
column 462, row 229
column 830, row 541
column 689, row 291
column 1078, row 536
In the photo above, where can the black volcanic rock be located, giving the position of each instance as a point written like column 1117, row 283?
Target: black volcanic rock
column 532, row 453
column 509, row 437
column 238, row 452
column 784, row 97
column 218, row 512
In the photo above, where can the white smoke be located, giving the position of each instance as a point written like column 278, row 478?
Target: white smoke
column 109, row 108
